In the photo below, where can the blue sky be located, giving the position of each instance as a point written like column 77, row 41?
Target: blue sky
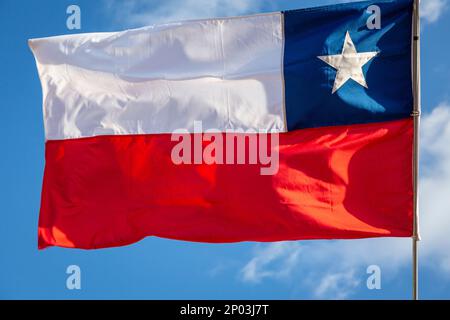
column 165, row 269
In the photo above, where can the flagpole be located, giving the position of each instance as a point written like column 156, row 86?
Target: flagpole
column 416, row 117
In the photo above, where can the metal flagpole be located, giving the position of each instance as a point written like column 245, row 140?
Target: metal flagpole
column 416, row 117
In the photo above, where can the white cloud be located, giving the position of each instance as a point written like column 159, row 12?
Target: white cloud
column 337, row 285
column 431, row 10
column 435, row 185
column 139, row 12
column 276, row 260
column 333, row 269
column 327, row 269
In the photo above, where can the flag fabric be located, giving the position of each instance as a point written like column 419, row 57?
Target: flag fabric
column 281, row 126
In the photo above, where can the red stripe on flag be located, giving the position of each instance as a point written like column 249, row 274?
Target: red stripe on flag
column 333, row 183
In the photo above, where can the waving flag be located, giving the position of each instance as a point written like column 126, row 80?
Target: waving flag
column 281, row 126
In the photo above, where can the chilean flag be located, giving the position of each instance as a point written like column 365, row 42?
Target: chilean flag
column 281, row 126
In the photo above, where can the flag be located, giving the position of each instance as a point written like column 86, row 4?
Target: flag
column 281, row 126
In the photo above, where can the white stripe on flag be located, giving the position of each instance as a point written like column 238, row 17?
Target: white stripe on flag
column 226, row 73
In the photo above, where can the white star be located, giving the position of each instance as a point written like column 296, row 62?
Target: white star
column 348, row 64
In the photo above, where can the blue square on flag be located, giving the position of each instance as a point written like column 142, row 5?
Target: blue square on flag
column 386, row 91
